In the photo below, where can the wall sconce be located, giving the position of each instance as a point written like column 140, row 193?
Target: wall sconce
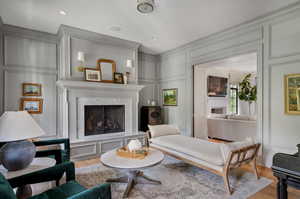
column 129, row 64
column 81, row 59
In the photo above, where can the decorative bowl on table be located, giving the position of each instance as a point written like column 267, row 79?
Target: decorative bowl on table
column 133, row 150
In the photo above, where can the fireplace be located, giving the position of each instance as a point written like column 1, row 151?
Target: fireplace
column 104, row 119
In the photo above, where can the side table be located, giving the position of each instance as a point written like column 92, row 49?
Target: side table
column 36, row 165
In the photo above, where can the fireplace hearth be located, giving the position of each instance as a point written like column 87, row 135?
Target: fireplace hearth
column 104, row 119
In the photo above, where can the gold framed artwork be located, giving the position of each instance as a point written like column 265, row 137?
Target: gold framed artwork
column 118, row 78
column 107, row 68
column 92, row 75
column 170, row 97
column 31, row 89
column 292, row 94
column 32, row 105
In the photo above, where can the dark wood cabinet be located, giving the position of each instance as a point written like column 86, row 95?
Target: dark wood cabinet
column 150, row 115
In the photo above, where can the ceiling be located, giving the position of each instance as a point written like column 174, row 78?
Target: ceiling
column 172, row 24
column 241, row 63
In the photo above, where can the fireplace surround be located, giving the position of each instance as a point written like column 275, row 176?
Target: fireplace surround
column 115, row 107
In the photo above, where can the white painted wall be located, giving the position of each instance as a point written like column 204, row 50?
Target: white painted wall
column 280, row 34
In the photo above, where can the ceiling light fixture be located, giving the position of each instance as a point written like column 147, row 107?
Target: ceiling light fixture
column 145, row 6
column 62, row 12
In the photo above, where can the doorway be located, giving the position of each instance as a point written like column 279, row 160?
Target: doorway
column 220, row 109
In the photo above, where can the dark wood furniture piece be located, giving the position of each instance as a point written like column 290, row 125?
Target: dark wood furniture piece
column 150, row 115
column 286, row 168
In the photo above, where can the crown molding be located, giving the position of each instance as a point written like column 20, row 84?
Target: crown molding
column 93, row 36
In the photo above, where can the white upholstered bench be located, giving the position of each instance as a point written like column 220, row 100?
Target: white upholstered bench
column 218, row 158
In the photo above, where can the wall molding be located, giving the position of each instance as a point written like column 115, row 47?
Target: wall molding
column 29, row 34
column 292, row 15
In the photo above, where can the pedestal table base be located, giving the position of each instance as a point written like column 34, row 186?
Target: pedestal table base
column 133, row 178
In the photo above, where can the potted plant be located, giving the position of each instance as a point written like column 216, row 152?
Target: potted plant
column 247, row 91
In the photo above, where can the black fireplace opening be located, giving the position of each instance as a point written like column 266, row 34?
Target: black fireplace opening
column 103, row 119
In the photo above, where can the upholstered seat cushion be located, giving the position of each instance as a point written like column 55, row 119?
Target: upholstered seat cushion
column 62, row 192
column 163, row 130
column 198, row 148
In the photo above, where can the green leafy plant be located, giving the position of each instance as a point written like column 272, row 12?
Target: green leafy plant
column 247, row 91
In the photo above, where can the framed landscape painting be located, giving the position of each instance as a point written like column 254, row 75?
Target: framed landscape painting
column 30, row 89
column 32, row 105
column 292, row 94
column 170, row 97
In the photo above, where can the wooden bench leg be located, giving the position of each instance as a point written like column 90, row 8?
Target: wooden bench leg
column 226, row 182
column 254, row 167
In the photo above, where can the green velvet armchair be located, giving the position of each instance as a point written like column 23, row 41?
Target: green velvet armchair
column 70, row 190
column 60, row 155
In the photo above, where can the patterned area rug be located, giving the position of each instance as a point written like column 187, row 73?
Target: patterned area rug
column 179, row 181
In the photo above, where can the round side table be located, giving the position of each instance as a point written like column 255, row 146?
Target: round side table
column 111, row 159
column 36, row 165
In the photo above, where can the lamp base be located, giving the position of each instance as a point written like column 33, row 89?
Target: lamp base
column 17, row 155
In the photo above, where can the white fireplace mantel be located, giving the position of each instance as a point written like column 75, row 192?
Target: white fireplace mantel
column 74, row 95
column 96, row 85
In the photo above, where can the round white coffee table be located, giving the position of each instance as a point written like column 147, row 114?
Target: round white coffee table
column 134, row 175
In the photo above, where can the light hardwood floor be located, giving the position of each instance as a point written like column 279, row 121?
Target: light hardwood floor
column 267, row 193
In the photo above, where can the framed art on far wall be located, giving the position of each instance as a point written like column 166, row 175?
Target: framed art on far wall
column 32, row 105
column 292, row 94
column 31, row 89
column 170, row 97
column 92, row 75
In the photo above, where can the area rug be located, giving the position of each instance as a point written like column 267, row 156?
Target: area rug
column 179, row 181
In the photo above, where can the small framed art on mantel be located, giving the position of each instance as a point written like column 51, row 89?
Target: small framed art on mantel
column 92, row 75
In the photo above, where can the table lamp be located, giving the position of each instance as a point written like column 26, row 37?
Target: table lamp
column 15, row 128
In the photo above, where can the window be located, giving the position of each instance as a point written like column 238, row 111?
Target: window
column 233, row 99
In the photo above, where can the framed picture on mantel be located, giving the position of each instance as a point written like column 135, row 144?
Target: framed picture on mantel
column 92, row 75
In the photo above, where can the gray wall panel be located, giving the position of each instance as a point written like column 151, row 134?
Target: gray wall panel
column 30, row 53
column 1, row 69
column 30, row 57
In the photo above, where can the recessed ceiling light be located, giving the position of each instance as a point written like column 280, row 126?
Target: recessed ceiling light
column 115, row 28
column 62, row 12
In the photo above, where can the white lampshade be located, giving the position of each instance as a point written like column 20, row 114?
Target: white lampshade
column 129, row 63
column 18, row 125
column 80, row 56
